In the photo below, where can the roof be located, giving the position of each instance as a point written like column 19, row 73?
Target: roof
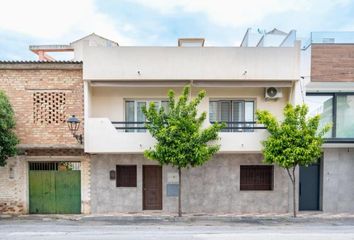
column 68, row 65
column 94, row 34
column 277, row 32
column 38, row 62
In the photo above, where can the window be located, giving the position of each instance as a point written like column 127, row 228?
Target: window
column 334, row 108
column 126, row 175
column 49, row 107
column 231, row 111
column 256, row 177
column 134, row 113
column 345, row 116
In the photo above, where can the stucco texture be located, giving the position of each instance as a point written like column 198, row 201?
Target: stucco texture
column 212, row 188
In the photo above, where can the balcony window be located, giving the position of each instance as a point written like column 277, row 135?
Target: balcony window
column 345, row 116
column 334, row 108
column 134, row 115
column 237, row 114
column 322, row 105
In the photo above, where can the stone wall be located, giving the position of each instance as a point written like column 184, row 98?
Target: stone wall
column 212, row 188
column 338, row 180
column 12, row 186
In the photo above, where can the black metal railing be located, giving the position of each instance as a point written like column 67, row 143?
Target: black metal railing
column 126, row 125
column 230, row 126
column 240, row 126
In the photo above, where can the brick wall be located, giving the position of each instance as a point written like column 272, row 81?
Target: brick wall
column 22, row 85
column 332, row 63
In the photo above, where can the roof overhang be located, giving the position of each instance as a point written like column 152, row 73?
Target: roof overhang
column 314, row 87
column 195, row 83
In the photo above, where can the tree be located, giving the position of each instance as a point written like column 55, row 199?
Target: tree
column 296, row 141
column 181, row 141
column 8, row 139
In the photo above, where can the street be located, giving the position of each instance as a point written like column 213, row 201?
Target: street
column 54, row 229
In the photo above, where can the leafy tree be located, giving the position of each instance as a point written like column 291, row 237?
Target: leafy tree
column 181, row 141
column 296, row 141
column 8, row 139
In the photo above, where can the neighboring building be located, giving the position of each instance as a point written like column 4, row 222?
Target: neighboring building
column 43, row 95
column 328, row 73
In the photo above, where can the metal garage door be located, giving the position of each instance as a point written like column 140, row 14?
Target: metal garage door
column 54, row 187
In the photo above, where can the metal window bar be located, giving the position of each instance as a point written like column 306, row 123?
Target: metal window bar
column 53, row 166
column 122, row 125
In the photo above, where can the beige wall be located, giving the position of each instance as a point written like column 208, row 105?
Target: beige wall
column 108, row 102
column 200, row 63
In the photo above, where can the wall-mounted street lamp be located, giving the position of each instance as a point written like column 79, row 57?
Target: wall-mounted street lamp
column 74, row 124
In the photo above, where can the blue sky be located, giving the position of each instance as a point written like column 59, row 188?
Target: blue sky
column 160, row 22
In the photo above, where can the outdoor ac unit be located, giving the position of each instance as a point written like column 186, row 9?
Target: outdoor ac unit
column 273, row 93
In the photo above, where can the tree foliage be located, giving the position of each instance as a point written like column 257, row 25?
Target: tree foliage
column 296, row 141
column 181, row 141
column 8, row 139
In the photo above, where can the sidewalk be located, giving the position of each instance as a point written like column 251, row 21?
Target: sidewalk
column 160, row 218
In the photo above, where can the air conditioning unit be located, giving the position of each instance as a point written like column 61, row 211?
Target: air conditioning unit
column 273, row 93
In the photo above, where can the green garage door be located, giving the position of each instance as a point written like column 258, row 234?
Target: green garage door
column 54, row 187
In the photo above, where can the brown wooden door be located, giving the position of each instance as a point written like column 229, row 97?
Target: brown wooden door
column 152, row 187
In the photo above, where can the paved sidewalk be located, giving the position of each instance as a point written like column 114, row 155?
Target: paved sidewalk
column 203, row 219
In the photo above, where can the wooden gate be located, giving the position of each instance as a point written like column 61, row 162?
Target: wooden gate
column 54, row 187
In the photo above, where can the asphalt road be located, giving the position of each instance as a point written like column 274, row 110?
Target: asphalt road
column 106, row 230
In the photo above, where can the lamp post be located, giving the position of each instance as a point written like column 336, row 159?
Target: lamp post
column 74, row 124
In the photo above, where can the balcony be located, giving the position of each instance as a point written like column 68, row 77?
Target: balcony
column 104, row 136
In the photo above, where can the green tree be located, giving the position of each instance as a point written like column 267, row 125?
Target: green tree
column 181, row 140
column 8, row 139
column 296, row 141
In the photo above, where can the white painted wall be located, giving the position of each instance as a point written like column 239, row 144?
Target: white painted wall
column 208, row 63
column 107, row 104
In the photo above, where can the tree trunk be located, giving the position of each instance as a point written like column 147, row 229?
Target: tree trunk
column 294, row 197
column 293, row 181
column 179, row 193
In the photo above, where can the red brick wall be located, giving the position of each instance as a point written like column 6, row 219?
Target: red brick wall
column 332, row 63
column 20, row 84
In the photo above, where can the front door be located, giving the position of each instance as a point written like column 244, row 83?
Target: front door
column 309, row 189
column 152, row 187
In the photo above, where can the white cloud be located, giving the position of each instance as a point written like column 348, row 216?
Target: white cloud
column 236, row 13
column 50, row 20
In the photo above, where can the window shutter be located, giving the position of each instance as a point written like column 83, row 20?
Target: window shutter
column 126, row 176
column 256, row 177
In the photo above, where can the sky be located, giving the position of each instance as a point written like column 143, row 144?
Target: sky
column 160, row 22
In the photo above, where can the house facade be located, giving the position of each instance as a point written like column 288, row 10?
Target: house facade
column 106, row 86
column 119, row 81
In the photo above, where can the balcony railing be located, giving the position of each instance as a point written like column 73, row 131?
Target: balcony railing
column 230, row 126
column 240, row 126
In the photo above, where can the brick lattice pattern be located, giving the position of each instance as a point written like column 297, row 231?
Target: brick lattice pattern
column 49, row 107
